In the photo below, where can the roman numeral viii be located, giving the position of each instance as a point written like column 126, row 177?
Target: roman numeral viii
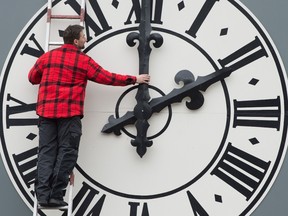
column 242, row 171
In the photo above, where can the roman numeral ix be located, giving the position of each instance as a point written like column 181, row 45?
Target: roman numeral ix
column 18, row 109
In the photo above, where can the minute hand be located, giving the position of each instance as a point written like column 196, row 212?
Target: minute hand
column 175, row 96
column 190, row 87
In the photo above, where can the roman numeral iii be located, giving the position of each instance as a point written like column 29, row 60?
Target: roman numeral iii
column 257, row 113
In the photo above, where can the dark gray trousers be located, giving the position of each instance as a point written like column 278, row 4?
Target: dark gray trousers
column 57, row 155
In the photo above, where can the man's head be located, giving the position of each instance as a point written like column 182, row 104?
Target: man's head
column 74, row 34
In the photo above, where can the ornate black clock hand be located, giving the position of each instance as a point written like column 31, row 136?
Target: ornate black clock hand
column 142, row 110
column 190, row 89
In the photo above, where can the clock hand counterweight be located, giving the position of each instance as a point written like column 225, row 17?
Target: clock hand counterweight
column 189, row 89
column 142, row 110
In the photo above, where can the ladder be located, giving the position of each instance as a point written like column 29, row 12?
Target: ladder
column 63, row 208
column 51, row 16
column 48, row 43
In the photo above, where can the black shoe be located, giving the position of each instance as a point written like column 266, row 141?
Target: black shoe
column 43, row 203
column 57, row 203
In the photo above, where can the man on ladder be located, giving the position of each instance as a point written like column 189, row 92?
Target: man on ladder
column 63, row 74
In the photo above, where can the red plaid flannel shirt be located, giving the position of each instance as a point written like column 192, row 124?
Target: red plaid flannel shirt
column 63, row 74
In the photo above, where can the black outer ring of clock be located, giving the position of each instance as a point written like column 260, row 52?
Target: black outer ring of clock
column 283, row 84
column 241, row 9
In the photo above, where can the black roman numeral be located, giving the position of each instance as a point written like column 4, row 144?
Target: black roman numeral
column 21, row 108
column 136, row 9
column 157, row 12
column 30, row 50
column 83, row 200
column 201, row 17
column 267, row 111
column 134, row 207
column 198, row 210
column 89, row 22
column 242, row 171
column 237, row 58
column 26, row 164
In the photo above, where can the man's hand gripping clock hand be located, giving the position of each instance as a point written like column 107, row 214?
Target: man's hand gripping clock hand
column 143, row 78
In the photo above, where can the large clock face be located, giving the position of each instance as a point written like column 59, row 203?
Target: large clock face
column 220, row 159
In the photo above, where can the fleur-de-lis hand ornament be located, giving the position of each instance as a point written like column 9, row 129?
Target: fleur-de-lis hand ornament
column 142, row 110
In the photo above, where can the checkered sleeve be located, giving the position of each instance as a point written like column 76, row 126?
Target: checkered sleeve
column 35, row 74
column 98, row 74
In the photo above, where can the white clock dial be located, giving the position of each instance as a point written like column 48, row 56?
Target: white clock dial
column 220, row 159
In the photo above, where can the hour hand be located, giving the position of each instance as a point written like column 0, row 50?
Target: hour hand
column 191, row 88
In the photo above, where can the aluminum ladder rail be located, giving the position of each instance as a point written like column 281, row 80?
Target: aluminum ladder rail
column 48, row 43
column 51, row 16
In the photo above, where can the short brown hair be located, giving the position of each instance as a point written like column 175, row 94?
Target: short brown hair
column 71, row 33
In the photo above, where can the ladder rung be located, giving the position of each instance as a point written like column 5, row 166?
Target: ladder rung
column 53, row 208
column 56, row 43
column 79, row 16
column 65, row 17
